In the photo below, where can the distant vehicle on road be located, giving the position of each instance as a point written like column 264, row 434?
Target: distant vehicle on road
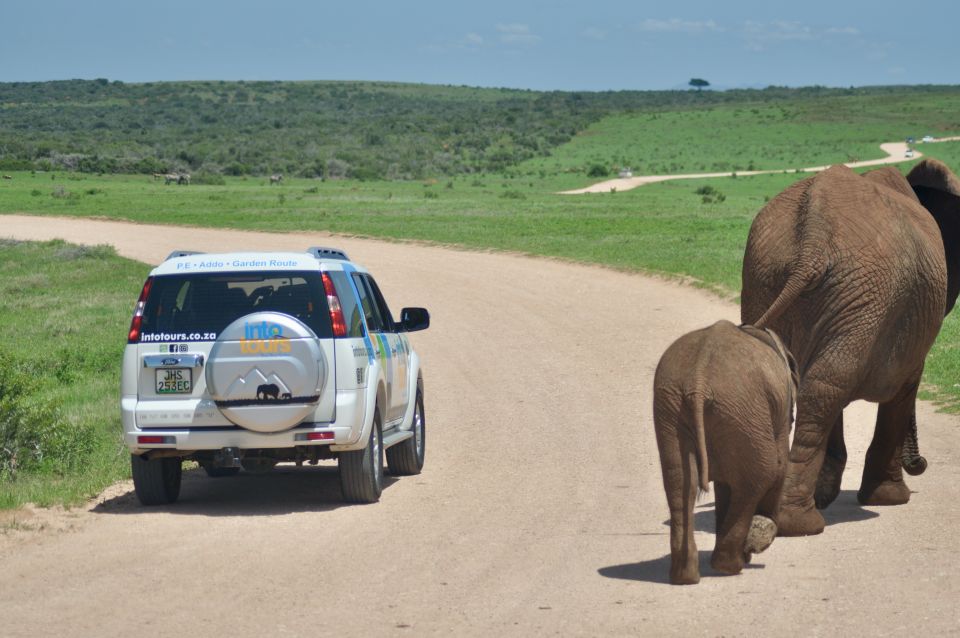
column 927, row 138
column 909, row 153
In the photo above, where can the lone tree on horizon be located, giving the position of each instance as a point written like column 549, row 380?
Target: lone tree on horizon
column 698, row 83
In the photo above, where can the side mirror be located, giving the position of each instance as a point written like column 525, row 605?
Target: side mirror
column 413, row 319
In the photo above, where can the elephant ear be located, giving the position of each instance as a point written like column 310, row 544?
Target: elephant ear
column 939, row 192
column 931, row 173
column 771, row 338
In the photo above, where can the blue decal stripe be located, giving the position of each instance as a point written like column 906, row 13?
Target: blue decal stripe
column 350, row 270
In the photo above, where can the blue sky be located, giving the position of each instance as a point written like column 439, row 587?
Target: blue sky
column 606, row 45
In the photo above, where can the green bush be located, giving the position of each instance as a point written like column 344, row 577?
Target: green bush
column 34, row 435
column 209, row 179
column 598, row 170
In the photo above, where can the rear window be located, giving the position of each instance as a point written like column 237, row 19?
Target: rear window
column 197, row 307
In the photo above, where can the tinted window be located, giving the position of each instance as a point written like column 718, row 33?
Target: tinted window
column 381, row 303
column 369, row 304
column 198, row 307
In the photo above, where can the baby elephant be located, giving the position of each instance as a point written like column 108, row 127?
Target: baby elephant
column 722, row 409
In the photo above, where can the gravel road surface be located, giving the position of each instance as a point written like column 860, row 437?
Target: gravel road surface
column 540, row 510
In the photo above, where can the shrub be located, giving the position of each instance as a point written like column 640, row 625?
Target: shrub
column 598, row 170
column 209, row 179
column 34, row 435
column 512, row 194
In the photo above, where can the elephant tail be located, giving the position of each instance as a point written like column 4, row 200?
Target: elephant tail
column 695, row 410
column 798, row 281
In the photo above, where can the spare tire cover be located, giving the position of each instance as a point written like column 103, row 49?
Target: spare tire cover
column 266, row 372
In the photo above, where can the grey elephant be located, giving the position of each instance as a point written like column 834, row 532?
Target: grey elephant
column 851, row 271
column 722, row 408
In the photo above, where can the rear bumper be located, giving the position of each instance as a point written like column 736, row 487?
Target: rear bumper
column 192, row 440
column 345, row 431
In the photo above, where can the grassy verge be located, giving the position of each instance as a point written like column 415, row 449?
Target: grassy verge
column 66, row 307
column 62, row 323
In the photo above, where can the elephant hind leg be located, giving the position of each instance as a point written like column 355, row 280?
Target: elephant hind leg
column 681, row 486
column 882, row 482
column 831, row 472
column 820, row 404
column 729, row 554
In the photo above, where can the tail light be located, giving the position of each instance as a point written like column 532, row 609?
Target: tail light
column 134, row 335
column 336, row 311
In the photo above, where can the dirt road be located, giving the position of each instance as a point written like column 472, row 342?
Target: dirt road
column 896, row 153
column 540, row 510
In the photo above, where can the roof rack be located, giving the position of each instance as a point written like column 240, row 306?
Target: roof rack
column 322, row 252
column 183, row 253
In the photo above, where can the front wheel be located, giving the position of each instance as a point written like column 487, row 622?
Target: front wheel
column 406, row 459
column 156, row 481
column 361, row 471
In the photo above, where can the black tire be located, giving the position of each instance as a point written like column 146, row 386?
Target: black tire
column 406, row 459
column 361, row 471
column 220, row 472
column 157, row 481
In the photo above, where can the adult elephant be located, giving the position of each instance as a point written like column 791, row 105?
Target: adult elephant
column 851, row 272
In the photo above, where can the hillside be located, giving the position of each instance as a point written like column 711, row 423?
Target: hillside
column 344, row 129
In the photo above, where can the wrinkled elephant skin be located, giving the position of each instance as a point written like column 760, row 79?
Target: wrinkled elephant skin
column 723, row 401
column 851, row 271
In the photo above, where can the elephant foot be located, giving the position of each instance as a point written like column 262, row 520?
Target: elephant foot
column 884, row 493
column 762, row 532
column 727, row 562
column 685, row 572
column 828, row 482
column 797, row 521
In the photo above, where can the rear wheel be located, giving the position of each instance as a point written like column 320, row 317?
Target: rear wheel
column 156, row 481
column 406, row 458
column 361, row 471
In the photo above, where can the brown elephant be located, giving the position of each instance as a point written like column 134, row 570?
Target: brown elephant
column 851, row 272
column 722, row 408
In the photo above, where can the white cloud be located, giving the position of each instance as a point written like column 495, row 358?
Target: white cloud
column 474, row 39
column 759, row 35
column 676, row 25
column 594, row 33
column 516, row 34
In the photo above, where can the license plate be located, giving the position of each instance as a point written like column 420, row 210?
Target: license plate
column 174, row 381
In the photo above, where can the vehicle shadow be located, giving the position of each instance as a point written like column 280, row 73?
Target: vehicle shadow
column 284, row 490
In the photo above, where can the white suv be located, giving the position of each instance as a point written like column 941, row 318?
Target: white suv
column 244, row 360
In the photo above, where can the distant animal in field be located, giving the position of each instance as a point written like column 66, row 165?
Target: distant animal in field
column 7, row 177
column 182, row 179
column 157, row 176
column 276, row 178
column 267, row 390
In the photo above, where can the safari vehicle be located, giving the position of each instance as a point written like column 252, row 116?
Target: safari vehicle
column 245, row 360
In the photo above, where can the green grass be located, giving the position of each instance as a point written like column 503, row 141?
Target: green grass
column 726, row 138
column 66, row 324
column 62, row 324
